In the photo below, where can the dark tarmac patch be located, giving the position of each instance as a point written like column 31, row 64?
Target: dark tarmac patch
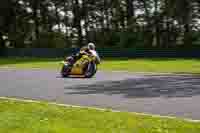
column 149, row 86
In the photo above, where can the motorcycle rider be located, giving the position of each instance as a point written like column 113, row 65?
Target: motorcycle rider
column 88, row 50
column 91, row 47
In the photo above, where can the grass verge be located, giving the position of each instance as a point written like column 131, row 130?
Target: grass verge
column 170, row 65
column 26, row 117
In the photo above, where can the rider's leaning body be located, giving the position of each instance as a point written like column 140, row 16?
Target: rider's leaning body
column 86, row 50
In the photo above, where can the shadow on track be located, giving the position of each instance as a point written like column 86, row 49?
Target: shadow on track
column 74, row 77
column 150, row 86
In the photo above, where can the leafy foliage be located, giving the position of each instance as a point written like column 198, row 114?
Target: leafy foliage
column 119, row 23
column 50, row 40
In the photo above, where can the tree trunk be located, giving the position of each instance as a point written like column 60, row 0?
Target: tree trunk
column 114, row 23
column 147, row 37
column 13, row 27
column 2, row 42
column 168, row 32
column 57, row 18
column 122, row 18
column 77, row 21
column 187, row 18
column 107, row 20
column 156, row 24
column 107, row 14
column 187, row 38
column 130, row 14
column 86, row 20
column 35, row 17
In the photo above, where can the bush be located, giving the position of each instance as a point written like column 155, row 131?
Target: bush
column 129, row 39
column 50, row 40
column 196, row 38
column 107, row 39
column 124, row 39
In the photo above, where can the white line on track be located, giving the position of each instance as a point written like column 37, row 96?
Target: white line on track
column 100, row 109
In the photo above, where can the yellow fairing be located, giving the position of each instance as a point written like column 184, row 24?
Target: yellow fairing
column 81, row 62
column 76, row 71
column 77, row 68
column 79, row 65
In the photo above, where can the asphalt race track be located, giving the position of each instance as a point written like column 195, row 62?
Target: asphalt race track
column 171, row 95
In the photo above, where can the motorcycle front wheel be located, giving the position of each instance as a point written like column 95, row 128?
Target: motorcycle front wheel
column 64, row 71
column 91, row 70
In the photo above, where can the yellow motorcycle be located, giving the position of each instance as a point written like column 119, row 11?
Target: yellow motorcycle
column 85, row 67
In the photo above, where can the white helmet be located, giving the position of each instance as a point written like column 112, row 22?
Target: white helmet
column 91, row 46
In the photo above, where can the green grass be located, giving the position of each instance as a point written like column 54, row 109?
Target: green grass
column 26, row 63
column 23, row 117
column 133, row 65
column 154, row 65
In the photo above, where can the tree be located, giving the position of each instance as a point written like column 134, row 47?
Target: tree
column 124, row 23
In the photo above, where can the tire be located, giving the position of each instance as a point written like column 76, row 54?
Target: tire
column 64, row 71
column 91, row 70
